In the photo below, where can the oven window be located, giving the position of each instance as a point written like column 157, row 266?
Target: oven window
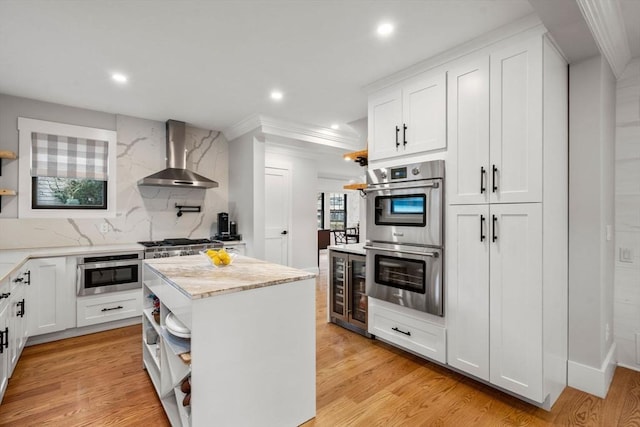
column 97, row 277
column 405, row 210
column 408, row 274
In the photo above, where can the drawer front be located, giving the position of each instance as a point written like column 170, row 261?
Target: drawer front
column 105, row 308
column 407, row 332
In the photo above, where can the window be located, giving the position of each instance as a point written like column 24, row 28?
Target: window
column 338, row 211
column 320, row 211
column 67, row 170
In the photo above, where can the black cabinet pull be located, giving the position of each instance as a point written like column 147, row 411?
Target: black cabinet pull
column 18, row 279
column 402, row 332
column 493, row 231
column 28, row 274
column 483, row 174
column 482, row 236
column 404, row 135
column 1, row 342
column 397, row 132
column 6, row 337
column 20, row 312
column 112, row 308
column 493, row 178
column 5, row 295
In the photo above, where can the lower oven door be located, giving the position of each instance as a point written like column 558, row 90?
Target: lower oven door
column 110, row 276
column 407, row 276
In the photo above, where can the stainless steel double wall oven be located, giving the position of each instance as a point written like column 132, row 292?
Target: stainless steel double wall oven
column 405, row 238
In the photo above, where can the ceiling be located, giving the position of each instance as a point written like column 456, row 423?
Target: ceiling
column 214, row 63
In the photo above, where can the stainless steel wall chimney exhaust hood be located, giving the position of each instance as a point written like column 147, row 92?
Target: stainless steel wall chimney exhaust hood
column 176, row 174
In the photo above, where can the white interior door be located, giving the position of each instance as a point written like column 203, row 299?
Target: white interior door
column 277, row 186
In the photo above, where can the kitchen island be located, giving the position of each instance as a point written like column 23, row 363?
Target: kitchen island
column 251, row 352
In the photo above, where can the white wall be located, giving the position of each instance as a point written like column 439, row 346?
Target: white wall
column 627, row 225
column 143, row 213
column 590, row 213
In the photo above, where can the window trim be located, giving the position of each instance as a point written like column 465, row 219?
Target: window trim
column 25, row 127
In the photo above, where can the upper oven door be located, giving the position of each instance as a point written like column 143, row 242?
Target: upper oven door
column 406, row 213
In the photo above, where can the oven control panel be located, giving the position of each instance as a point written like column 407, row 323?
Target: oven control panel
column 417, row 171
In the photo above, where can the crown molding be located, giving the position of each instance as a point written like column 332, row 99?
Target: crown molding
column 606, row 23
column 287, row 130
column 529, row 23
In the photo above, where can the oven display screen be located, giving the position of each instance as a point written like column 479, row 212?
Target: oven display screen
column 399, row 173
column 408, row 205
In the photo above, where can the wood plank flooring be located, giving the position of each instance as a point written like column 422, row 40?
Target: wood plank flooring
column 98, row 380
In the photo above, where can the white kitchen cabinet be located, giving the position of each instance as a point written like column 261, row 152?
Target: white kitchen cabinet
column 17, row 316
column 467, row 289
column 410, row 119
column 100, row 308
column 51, row 296
column 494, row 295
column 239, row 248
column 4, row 345
column 495, row 126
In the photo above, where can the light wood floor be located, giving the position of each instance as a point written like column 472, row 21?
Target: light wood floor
column 98, row 380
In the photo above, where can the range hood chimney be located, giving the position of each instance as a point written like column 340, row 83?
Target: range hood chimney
column 176, row 174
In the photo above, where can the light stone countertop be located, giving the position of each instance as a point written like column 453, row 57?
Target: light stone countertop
column 352, row 248
column 196, row 278
column 12, row 259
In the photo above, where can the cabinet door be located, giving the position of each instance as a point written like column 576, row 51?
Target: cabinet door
column 4, row 356
column 357, row 307
column 468, row 289
column 424, row 115
column 17, row 325
column 338, row 265
column 516, row 123
column 468, row 132
column 50, row 296
column 516, row 298
column 385, row 116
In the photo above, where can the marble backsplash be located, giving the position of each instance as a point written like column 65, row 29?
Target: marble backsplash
column 143, row 213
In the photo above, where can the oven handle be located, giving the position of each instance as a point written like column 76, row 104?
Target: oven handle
column 402, row 187
column 430, row 254
column 105, row 264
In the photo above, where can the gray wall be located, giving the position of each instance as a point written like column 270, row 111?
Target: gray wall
column 591, row 146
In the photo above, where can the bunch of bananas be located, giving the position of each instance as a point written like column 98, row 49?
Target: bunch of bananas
column 219, row 257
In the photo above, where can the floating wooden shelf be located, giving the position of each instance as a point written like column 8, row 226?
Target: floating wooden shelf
column 356, row 186
column 358, row 156
column 6, row 192
column 4, row 154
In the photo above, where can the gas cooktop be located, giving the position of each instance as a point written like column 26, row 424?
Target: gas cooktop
column 178, row 247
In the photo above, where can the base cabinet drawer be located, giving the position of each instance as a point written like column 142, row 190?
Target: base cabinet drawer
column 105, row 308
column 408, row 332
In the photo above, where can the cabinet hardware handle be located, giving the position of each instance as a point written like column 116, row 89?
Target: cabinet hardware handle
column 397, row 142
column 482, row 236
column 5, row 295
column 18, row 279
column 404, row 135
column 493, row 178
column 402, row 332
column 21, row 305
column 493, row 231
column 28, row 274
column 483, row 174
column 1, row 342
column 112, row 308
column 6, row 337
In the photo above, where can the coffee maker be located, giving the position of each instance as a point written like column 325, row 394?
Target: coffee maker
column 227, row 230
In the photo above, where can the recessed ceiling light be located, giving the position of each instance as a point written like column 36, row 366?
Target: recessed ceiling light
column 385, row 29
column 276, row 95
column 120, row 78
column 335, row 126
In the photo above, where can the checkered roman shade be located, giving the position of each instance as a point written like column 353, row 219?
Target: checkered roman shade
column 68, row 157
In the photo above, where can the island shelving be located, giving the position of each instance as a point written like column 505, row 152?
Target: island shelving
column 250, row 357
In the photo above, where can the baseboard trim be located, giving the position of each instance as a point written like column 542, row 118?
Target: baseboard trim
column 85, row 330
column 592, row 380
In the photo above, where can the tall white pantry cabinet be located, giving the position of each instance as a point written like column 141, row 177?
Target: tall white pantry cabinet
column 507, row 217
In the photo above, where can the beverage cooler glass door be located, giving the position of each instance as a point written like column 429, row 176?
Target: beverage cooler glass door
column 338, row 283
column 358, row 296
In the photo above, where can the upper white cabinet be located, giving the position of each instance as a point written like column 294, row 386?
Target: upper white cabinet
column 495, row 126
column 408, row 119
column 51, row 296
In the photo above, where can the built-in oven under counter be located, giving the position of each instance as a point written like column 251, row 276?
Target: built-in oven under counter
column 406, row 275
